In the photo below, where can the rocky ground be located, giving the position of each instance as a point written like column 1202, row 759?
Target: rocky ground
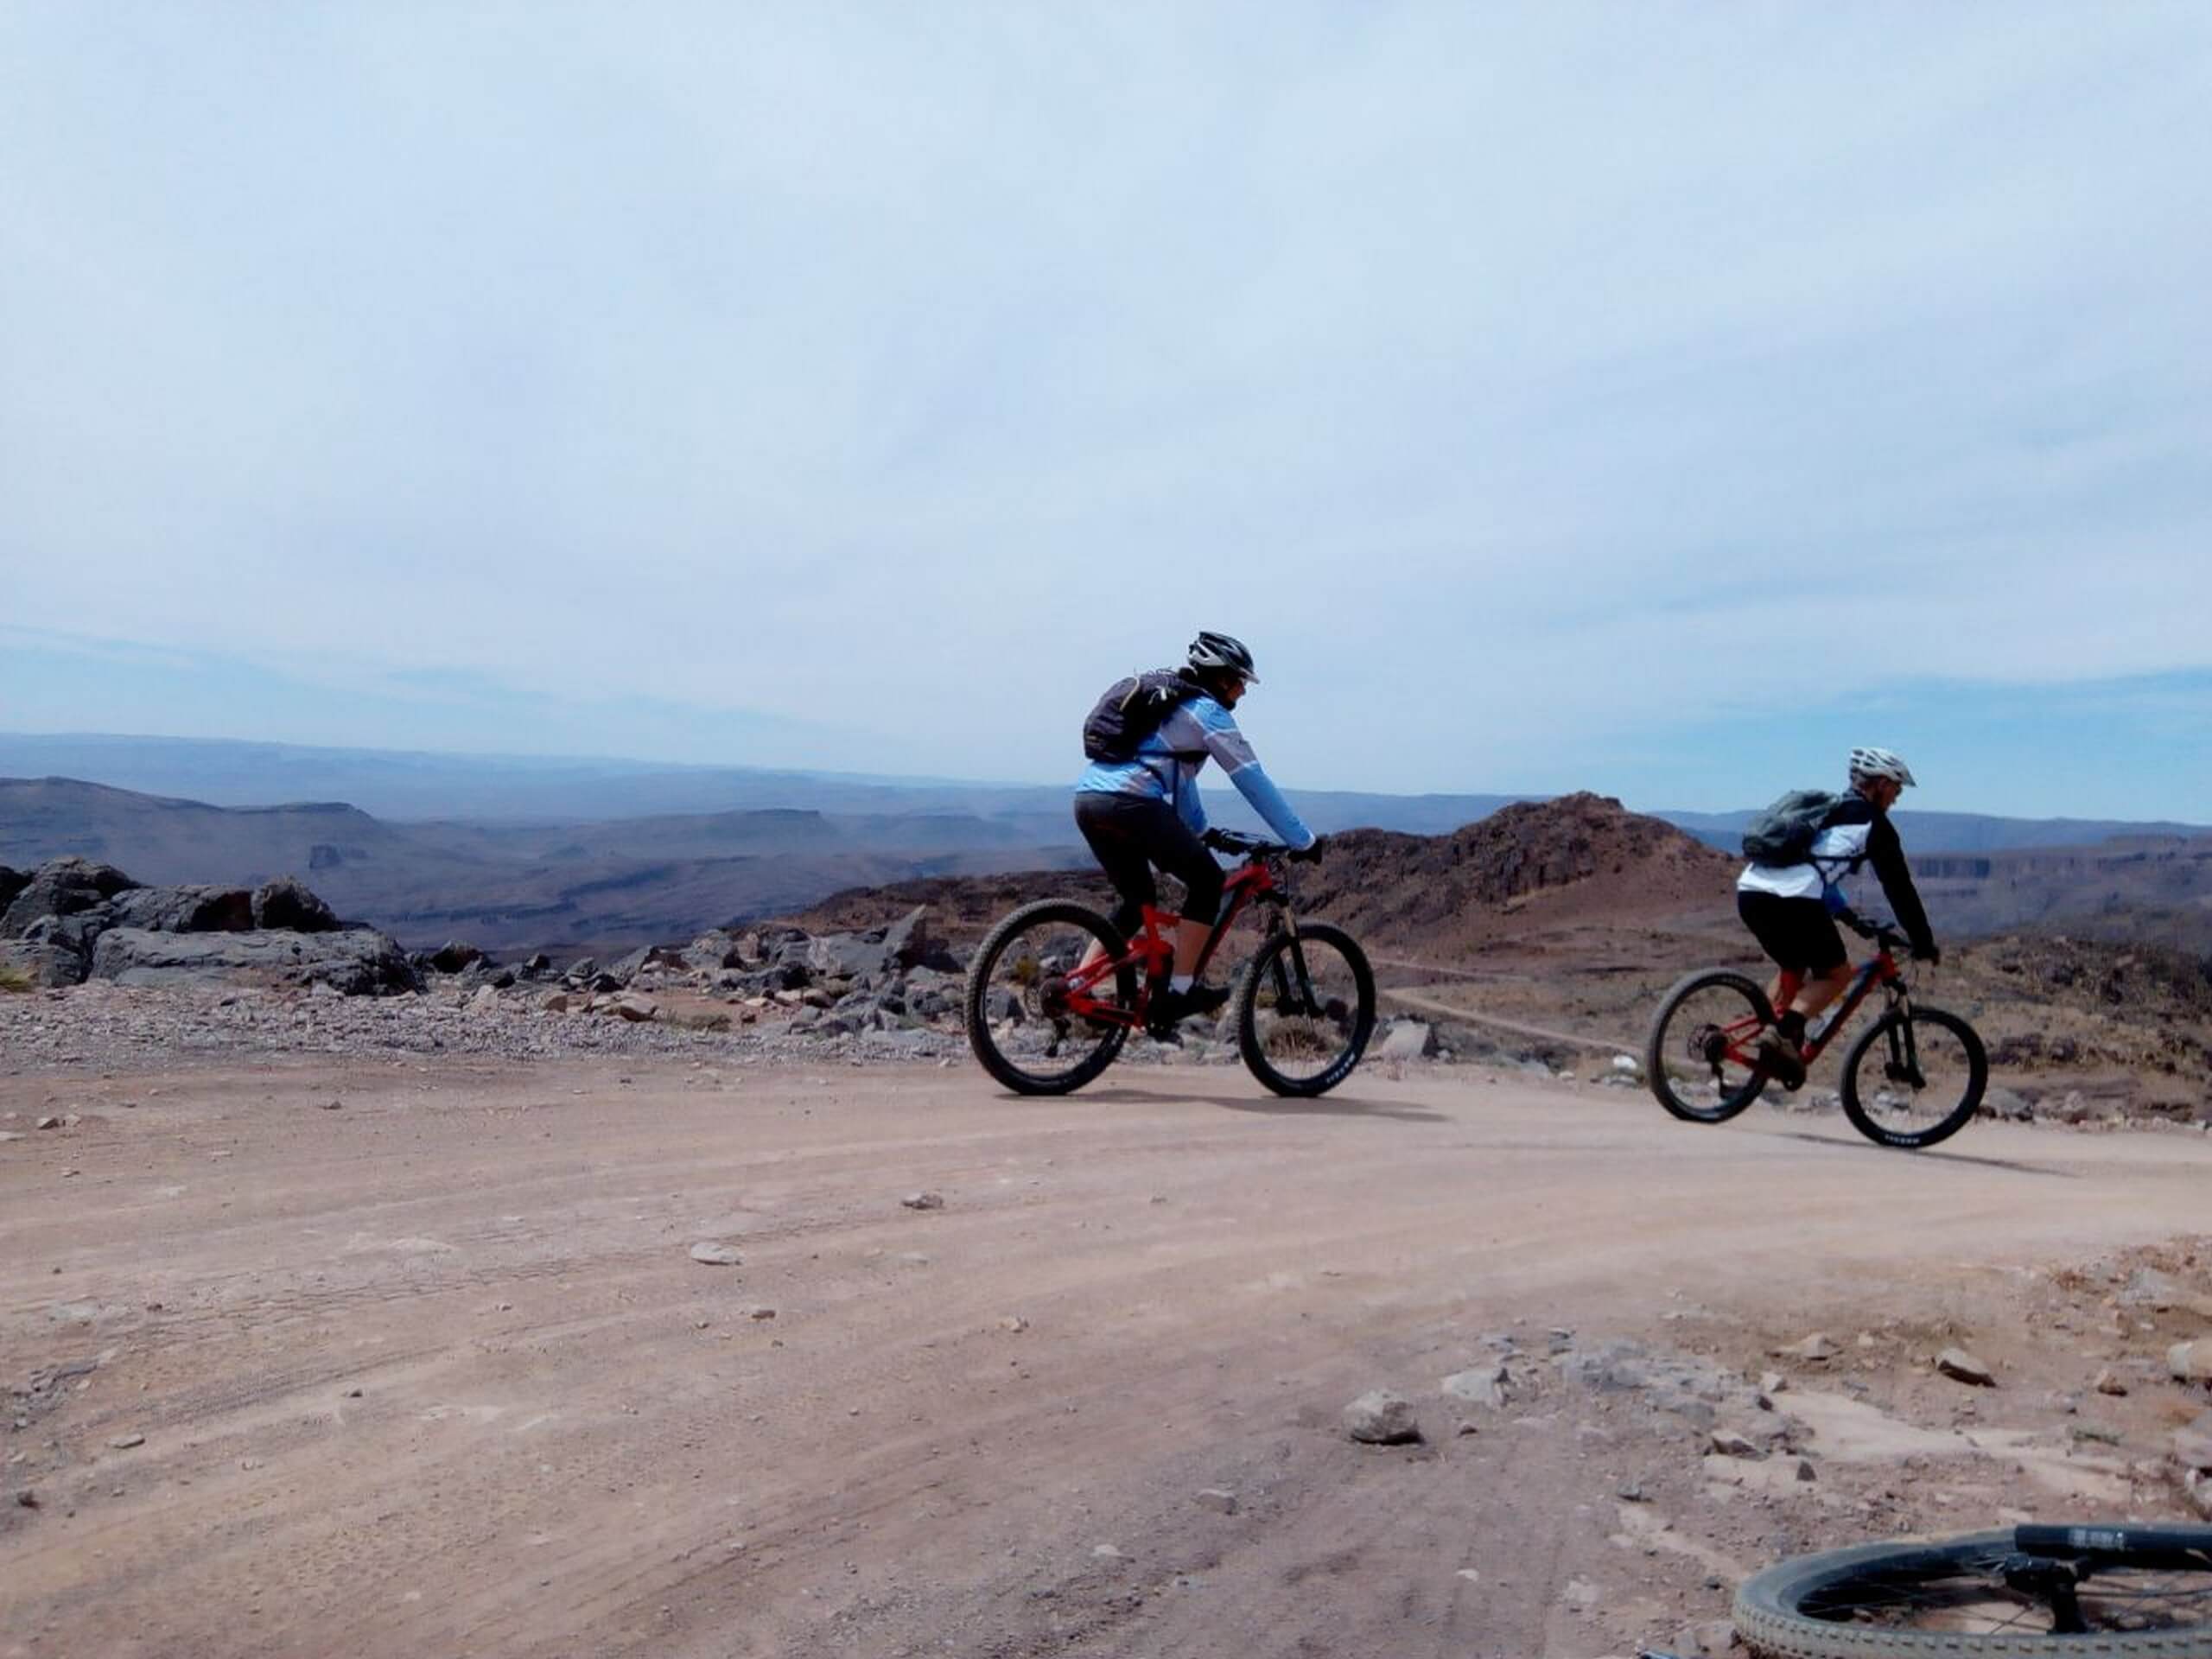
column 464, row 1326
column 707, row 1302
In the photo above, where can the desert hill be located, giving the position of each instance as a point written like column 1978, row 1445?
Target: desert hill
column 1529, row 867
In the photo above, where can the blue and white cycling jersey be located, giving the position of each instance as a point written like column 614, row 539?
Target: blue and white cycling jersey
column 1167, row 764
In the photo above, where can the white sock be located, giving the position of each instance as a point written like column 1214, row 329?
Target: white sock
column 1179, row 983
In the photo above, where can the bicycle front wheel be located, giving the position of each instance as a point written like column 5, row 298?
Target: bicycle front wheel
column 2147, row 1595
column 1701, row 1057
column 1913, row 1079
column 1306, row 1009
column 1019, row 1021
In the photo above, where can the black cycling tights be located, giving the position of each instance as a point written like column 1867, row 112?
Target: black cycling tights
column 1129, row 833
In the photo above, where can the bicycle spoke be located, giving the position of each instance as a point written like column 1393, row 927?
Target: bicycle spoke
column 1039, row 1023
column 1306, row 1008
column 1703, row 1055
column 1914, row 1077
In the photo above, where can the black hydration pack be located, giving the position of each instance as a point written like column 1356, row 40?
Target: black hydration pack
column 1785, row 832
column 1132, row 710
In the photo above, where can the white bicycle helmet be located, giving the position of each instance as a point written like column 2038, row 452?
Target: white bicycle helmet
column 1222, row 654
column 1879, row 762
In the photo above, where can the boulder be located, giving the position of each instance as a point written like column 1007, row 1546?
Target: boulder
column 288, row 902
column 908, row 943
column 1487, row 1384
column 356, row 961
column 1381, row 1417
column 453, row 956
column 66, row 943
column 716, row 948
column 181, row 910
column 1961, row 1366
column 61, row 887
column 1408, row 1039
column 656, row 961
column 11, row 883
column 2191, row 1362
column 2193, row 1443
column 41, row 965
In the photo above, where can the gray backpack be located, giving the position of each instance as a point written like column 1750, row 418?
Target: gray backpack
column 1785, row 832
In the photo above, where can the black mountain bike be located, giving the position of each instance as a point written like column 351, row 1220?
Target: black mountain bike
column 2032, row 1593
column 1914, row 1077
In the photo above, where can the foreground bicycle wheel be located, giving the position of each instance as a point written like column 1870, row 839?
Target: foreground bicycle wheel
column 1306, row 1009
column 1694, row 1056
column 2125, row 1593
column 1912, row 1080
column 1018, row 1021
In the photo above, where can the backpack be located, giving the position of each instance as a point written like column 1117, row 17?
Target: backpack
column 1132, row 710
column 1785, row 832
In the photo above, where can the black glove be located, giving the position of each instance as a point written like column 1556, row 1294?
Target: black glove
column 1211, row 840
column 1310, row 854
column 1930, row 953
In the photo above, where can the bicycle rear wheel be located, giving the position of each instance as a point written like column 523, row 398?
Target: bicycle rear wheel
column 1912, row 1080
column 1697, row 1056
column 2146, row 1593
column 1019, row 1023
column 1306, row 1009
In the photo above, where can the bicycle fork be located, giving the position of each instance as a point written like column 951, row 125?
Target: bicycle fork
column 1299, row 1001
column 1902, row 1065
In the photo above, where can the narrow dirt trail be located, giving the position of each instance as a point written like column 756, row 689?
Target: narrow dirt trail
column 435, row 1374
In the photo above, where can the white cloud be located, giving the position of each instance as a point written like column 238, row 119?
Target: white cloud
column 1540, row 373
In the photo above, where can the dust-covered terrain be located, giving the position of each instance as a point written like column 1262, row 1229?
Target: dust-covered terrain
column 690, row 1349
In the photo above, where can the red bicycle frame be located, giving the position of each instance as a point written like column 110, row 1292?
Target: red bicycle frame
column 1742, row 1036
column 1152, row 952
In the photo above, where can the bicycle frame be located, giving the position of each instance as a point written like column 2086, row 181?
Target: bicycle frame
column 1152, row 952
column 1742, row 1036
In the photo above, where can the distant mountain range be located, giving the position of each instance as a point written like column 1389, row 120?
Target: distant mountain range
column 470, row 848
column 405, row 786
column 560, row 885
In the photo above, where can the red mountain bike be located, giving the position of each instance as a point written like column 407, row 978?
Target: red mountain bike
column 1914, row 1077
column 1055, row 991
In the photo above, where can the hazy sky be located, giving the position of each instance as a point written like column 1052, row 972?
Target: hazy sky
column 1654, row 398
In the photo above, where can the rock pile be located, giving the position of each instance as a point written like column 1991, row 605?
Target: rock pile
column 893, row 979
column 72, row 920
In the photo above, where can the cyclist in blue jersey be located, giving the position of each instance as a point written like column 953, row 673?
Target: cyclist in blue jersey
column 1145, row 811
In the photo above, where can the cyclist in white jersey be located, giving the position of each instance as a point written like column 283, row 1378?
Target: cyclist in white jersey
column 1137, row 813
column 1790, row 908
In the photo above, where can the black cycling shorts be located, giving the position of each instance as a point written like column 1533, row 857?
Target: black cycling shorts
column 1798, row 933
column 1129, row 833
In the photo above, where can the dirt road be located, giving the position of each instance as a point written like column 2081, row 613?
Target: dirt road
column 434, row 1371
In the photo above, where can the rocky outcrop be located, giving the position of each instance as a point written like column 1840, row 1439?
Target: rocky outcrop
column 72, row 920
column 286, row 903
column 356, row 961
column 181, row 910
column 62, row 887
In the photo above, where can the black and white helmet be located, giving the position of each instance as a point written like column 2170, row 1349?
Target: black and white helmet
column 1219, row 653
column 1879, row 762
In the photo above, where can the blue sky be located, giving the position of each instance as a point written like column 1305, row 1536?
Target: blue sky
column 1649, row 398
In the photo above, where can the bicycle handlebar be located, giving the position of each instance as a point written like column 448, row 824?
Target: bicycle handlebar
column 1237, row 840
column 1881, row 932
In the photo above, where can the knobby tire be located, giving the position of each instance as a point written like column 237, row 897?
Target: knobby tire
column 1663, row 1043
column 981, row 976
